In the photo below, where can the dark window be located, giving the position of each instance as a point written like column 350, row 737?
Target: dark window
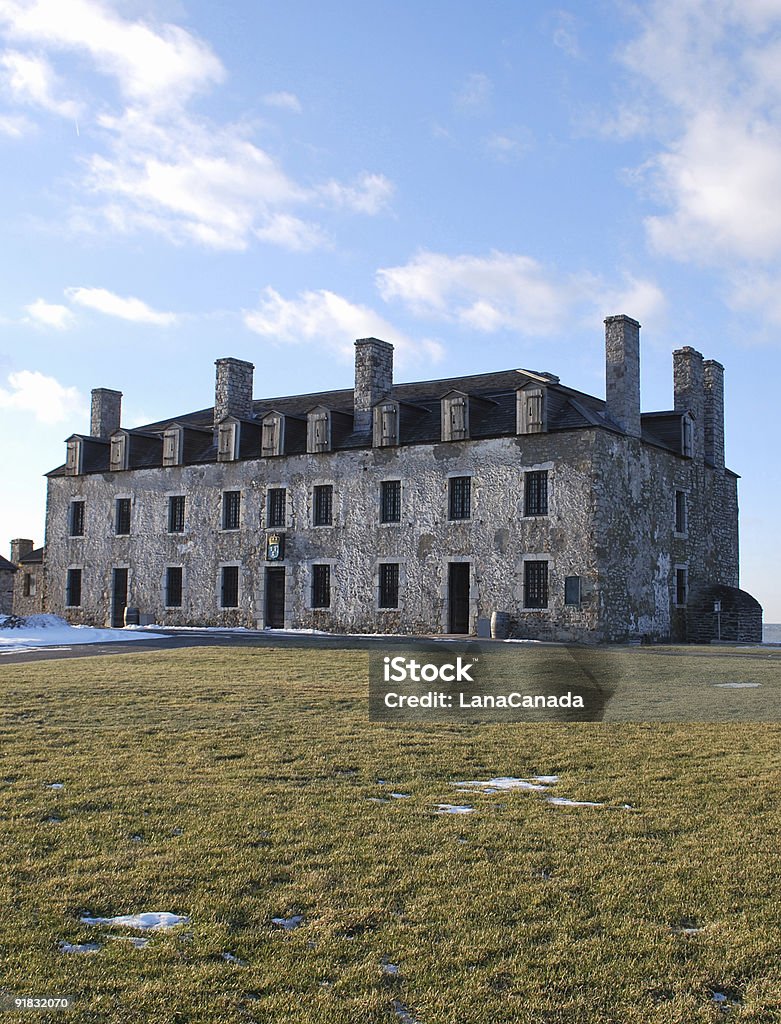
column 29, row 585
column 229, row 589
column 322, row 505
column 680, row 512
column 73, row 588
column 572, row 590
column 231, row 510
column 321, row 586
column 460, row 498
column 681, row 586
column 277, row 501
column 389, row 585
column 535, row 584
column 176, row 514
column 173, row 586
column 535, row 501
column 122, row 517
column 76, row 519
column 390, row 501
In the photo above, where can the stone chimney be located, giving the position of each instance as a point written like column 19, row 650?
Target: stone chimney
column 689, row 393
column 373, row 378
column 622, row 372
column 106, row 411
column 233, row 389
column 19, row 549
column 713, row 378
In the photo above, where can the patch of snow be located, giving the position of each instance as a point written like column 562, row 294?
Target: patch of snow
column 288, row 923
column 561, row 801
column 75, row 947
column 136, row 941
column 377, row 800
column 55, row 785
column 500, row 785
column 453, row 809
column 151, row 921
column 686, row 930
column 738, row 686
column 401, row 796
column 232, row 959
column 403, row 1013
column 392, row 970
column 53, row 632
column 137, row 838
column 719, row 998
column 54, row 819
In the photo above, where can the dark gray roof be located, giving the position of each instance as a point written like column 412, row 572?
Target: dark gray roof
column 492, row 414
column 35, row 557
column 6, row 566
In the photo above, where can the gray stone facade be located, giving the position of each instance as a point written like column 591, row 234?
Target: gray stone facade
column 28, row 585
column 580, row 518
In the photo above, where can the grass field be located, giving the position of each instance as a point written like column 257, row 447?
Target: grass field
column 235, row 786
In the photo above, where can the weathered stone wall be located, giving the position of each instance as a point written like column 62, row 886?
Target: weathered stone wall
column 233, row 389
column 494, row 541
column 373, row 377
column 6, row 591
column 33, row 602
column 638, row 548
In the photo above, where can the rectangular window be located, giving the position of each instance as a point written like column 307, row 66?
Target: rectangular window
column 229, row 586
column 28, row 588
column 535, row 497
column 176, row 513
column 680, row 512
column 390, row 501
column 76, row 519
column 681, row 586
column 231, row 510
column 321, row 586
column 322, row 505
column 276, row 507
column 460, row 497
column 73, row 588
column 122, row 517
column 572, row 590
column 389, row 585
column 535, row 584
column 173, row 586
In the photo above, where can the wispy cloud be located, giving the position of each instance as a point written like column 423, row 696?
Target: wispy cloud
column 475, row 93
column 128, row 308
column 510, row 291
column 283, row 101
column 50, row 314
column 329, row 320
column 43, row 397
column 157, row 166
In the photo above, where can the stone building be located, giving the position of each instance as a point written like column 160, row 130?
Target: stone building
column 7, row 573
column 410, row 508
column 28, row 581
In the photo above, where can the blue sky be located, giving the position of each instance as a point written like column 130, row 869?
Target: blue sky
column 480, row 184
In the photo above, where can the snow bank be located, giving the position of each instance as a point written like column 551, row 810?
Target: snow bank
column 33, row 631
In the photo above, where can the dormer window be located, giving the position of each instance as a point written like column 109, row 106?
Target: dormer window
column 172, row 446
column 272, row 435
column 119, row 453
column 386, row 424
column 531, row 411
column 318, row 431
column 455, row 417
column 228, row 441
column 687, row 436
column 73, row 457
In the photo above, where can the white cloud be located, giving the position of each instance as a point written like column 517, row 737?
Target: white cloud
column 565, row 34
column 506, row 148
column 475, row 94
column 157, row 66
column 329, row 320
column 716, row 172
column 49, row 314
column 155, row 165
column 31, row 80
column 115, row 305
column 44, row 397
column 370, row 194
column 283, row 101
column 14, row 126
column 510, row 291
